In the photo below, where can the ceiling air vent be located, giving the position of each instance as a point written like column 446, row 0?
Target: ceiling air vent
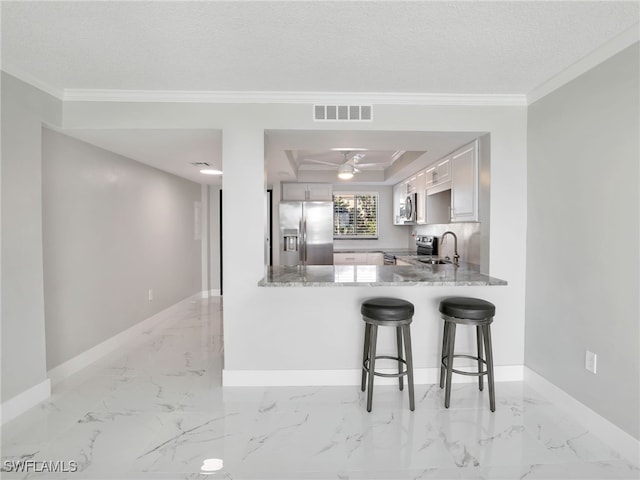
column 201, row 164
column 343, row 113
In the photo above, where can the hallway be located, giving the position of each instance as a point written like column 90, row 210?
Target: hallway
column 156, row 410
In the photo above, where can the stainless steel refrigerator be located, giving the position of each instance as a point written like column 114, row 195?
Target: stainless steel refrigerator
column 306, row 233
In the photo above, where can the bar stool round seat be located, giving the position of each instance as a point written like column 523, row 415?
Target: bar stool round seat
column 473, row 312
column 387, row 312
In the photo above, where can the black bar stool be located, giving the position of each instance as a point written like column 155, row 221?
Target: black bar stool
column 474, row 312
column 387, row 312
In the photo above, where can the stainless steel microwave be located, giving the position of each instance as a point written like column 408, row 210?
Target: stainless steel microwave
column 410, row 207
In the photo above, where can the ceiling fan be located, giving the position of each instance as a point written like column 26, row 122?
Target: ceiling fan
column 348, row 167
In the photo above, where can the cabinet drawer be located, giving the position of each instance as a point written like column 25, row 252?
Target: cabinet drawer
column 368, row 258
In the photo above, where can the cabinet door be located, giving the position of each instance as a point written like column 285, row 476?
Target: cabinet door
column 319, row 191
column 442, row 171
column 430, row 176
column 294, row 191
column 421, row 190
column 464, row 185
column 411, row 185
column 375, row 258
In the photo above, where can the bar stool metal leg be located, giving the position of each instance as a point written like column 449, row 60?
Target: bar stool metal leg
column 451, row 339
column 445, row 343
column 399, row 342
column 489, row 355
column 480, row 357
column 372, row 364
column 409, row 360
column 367, row 337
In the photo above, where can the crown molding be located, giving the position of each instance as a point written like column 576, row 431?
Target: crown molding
column 33, row 81
column 602, row 53
column 180, row 96
column 195, row 96
column 599, row 55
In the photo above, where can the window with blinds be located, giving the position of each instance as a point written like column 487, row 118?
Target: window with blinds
column 355, row 215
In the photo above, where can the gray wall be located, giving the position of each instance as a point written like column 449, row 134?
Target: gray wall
column 113, row 228
column 24, row 108
column 582, row 238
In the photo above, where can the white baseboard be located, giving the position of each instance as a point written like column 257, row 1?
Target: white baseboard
column 211, row 293
column 24, row 401
column 86, row 358
column 614, row 436
column 352, row 376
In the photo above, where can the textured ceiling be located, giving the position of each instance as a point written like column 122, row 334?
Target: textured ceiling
column 420, row 47
column 385, row 46
column 172, row 150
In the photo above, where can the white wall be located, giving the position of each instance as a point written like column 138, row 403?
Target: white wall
column 582, row 255
column 24, row 108
column 268, row 328
column 113, row 228
column 261, row 324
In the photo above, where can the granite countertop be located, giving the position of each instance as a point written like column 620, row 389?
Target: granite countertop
column 416, row 274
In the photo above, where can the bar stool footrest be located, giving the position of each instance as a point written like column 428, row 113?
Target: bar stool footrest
column 365, row 366
column 470, row 357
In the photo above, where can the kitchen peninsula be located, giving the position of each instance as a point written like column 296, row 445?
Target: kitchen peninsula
column 416, row 274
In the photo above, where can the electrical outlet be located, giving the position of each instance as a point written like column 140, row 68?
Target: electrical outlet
column 150, row 294
column 590, row 361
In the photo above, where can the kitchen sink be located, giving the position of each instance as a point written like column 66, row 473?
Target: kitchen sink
column 434, row 261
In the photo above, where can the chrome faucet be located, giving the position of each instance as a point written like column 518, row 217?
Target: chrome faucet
column 456, row 257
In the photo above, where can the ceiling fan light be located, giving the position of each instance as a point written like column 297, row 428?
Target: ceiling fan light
column 345, row 172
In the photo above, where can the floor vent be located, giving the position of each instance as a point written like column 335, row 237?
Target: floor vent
column 343, row 113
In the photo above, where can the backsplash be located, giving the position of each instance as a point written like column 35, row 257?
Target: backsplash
column 468, row 234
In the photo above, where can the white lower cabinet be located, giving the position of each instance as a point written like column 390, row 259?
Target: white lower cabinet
column 375, row 258
column 364, row 258
column 349, row 258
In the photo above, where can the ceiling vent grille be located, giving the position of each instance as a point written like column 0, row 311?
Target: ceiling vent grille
column 200, row 164
column 343, row 113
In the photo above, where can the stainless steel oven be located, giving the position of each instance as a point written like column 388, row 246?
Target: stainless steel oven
column 427, row 245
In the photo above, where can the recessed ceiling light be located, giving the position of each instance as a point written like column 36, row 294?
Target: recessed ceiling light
column 349, row 149
column 210, row 171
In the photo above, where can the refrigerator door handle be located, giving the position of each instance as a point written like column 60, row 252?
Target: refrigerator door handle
column 304, row 242
column 301, row 242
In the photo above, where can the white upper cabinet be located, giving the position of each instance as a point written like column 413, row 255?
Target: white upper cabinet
column 439, row 173
column 464, row 184
column 447, row 190
column 442, row 171
column 421, row 196
column 430, row 175
column 412, row 184
column 307, row 191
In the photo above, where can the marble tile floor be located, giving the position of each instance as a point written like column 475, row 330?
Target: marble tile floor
column 156, row 410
